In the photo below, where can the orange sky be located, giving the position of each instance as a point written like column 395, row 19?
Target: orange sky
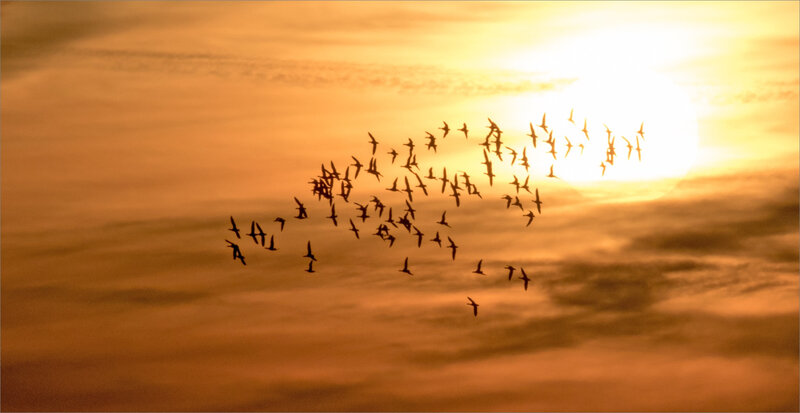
column 132, row 131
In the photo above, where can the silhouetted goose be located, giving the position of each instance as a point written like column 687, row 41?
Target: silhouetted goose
column 478, row 270
column 474, row 306
column 234, row 229
column 405, row 267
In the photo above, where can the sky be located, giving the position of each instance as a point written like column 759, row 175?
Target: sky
column 133, row 131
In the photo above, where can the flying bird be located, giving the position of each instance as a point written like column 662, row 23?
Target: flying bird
column 530, row 217
column 544, row 125
column 629, row 146
column 478, row 270
column 603, row 165
column 452, row 246
column 638, row 149
column 510, row 271
column 405, row 268
column 437, row 240
column 443, row 221
column 465, row 130
column 445, row 128
column 310, row 266
column 358, row 166
column 569, row 147
column 234, row 229
column 474, row 306
column 538, row 202
column 237, row 253
column 271, row 244
column 532, row 134
column 261, row 234
column 551, row 175
column 373, row 142
column 278, row 219
column 570, row 117
column 309, row 254
column 333, row 215
column 252, row 234
column 353, row 228
column 301, row 210
column 419, row 235
column 641, row 130
column 524, row 278
column 584, row 130
column 394, row 154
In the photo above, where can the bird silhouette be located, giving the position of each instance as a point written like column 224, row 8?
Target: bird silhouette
column 271, row 244
column 443, row 221
column 301, row 210
column 629, row 146
column 570, row 117
column 508, row 200
column 252, row 234
column 551, row 175
column 333, row 215
column 405, row 267
column 309, row 254
column 261, row 234
column 510, row 271
column 524, row 278
column 465, row 130
column 474, row 306
column 373, row 142
column 358, row 166
column 530, row 217
column 437, row 240
column 234, row 229
column 638, row 149
column 445, row 128
column 394, row 154
column 603, row 165
column 310, row 266
column 544, row 125
column 353, row 228
column 419, row 235
column 538, row 202
column 641, row 130
column 532, row 134
column 584, row 130
column 278, row 219
column 237, row 253
column 478, row 270
column 452, row 246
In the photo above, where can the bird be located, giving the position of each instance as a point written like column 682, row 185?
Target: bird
column 394, row 186
column 278, row 219
column 525, row 185
column 452, row 246
column 629, row 146
column 410, row 210
column 584, row 130
column 394, row 154
column 524, row 159
column 373, row 142
column 580, row 145
column 301, row 210
column 271, row 244
column 310, row 266
column 421, row 185
column 405, row 268
column 358, row 166
column 603, row 165
column 551, row 175
column 465, row 130
column 513, row 155
column 252, row 233
column 437, row 240
column 443, row 221
column 641, row 130
column 489, row 173
column 237, row 253
column 478, row 270
column 508, row 200
column 538, row 202
column 570, row 117
column 530, row 217
column 524, row 278
column 532, row 134
column 445, row 128
column 309, row 254
column 333, row 215
column 544, row 125
column 408, row 190
column 569, row 147
column 608, row 131
column 638, row 149
column 510, row 271
column 234, row 229
column 353, row 228
column 515, row 182
column 517, row 203
column 261, row 234
column 419, row 235
column 474, row 306
column 444, row 179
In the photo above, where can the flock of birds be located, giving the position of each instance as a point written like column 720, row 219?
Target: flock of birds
column 331, row 184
